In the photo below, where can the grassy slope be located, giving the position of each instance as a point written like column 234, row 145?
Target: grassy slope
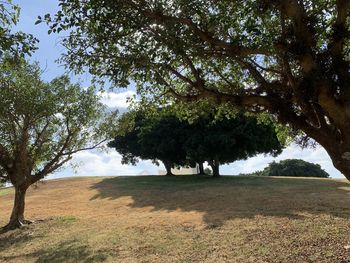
column 182, row 219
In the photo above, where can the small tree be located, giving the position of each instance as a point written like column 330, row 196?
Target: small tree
column 294, row 167
column 229, row 140
column 41, row 126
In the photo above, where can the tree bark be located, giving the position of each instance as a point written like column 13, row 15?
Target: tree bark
column 216, row 172
column 17, row 219
column 340, row 157
column 201, row 168
column 168, row 167
column 215, row 166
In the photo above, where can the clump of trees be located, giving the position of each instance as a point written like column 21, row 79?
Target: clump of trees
column 174, row 142
column 287, row 58
column 41, row 126
column 294, row 167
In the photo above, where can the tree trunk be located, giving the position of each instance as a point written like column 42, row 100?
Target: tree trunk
column 168, row 166
column 215, row 164
column 201, row 168
column 17, row 216
column 215, row 169
column 340, row 158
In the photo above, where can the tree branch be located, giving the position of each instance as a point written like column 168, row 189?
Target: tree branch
column 217, row 44
column 340, row 30
column 86, row 148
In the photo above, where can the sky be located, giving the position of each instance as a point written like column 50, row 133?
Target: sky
column 108, row 163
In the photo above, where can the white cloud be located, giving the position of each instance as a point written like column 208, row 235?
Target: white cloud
column 95, row 163
column 116, row 100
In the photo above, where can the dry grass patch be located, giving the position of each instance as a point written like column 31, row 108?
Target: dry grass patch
column 182, row 219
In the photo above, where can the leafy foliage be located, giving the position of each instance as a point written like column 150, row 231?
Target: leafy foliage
column 155, row 138
column 294, row 167
column 43, row 124
column 228, row 140
column 207, row 171
column 165, row 137
column 14, row 44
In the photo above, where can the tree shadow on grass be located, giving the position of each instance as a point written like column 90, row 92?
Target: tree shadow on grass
column 231, row 197
column 65, row 251
column 15, row 238
column 70, row 251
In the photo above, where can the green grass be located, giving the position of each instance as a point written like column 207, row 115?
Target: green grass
column 182, row 219
column 6, row 191
column 66, row 219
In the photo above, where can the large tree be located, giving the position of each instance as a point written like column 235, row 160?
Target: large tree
column 286, row 57
column 228, row 140
column 41, row 126
column 151, row 137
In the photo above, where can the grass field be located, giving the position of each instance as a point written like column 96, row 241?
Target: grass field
column 181, row 219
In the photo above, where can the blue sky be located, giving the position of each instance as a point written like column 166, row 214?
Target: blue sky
column 94, row 163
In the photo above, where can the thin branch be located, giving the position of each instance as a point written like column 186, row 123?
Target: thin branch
column 40, row 175
column 217, row 71
column 265, row 69
column 254, row 72
column 179, row 75
column 86, row 148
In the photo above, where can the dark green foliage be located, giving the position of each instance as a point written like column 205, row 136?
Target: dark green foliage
column 127, row 140
column 177, row 142
column 207, row 171
column 228, row 140
column 294, row 167
column 155, row 138
column 162, row 138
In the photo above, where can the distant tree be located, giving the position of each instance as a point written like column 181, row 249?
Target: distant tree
column 294, row 167
column 177, row 142
column 162, row 138
column 154, row 138
column 229, row 140
column 126, row 141
column 41, row 126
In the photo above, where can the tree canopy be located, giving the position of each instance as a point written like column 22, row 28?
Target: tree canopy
column 227, row 140
column 294, row 167
column 42, row 125
column 165, row 137
column 287, row 58
column 154, row 138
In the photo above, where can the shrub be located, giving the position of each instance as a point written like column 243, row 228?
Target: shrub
column 208, row 171
column 294, row 167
